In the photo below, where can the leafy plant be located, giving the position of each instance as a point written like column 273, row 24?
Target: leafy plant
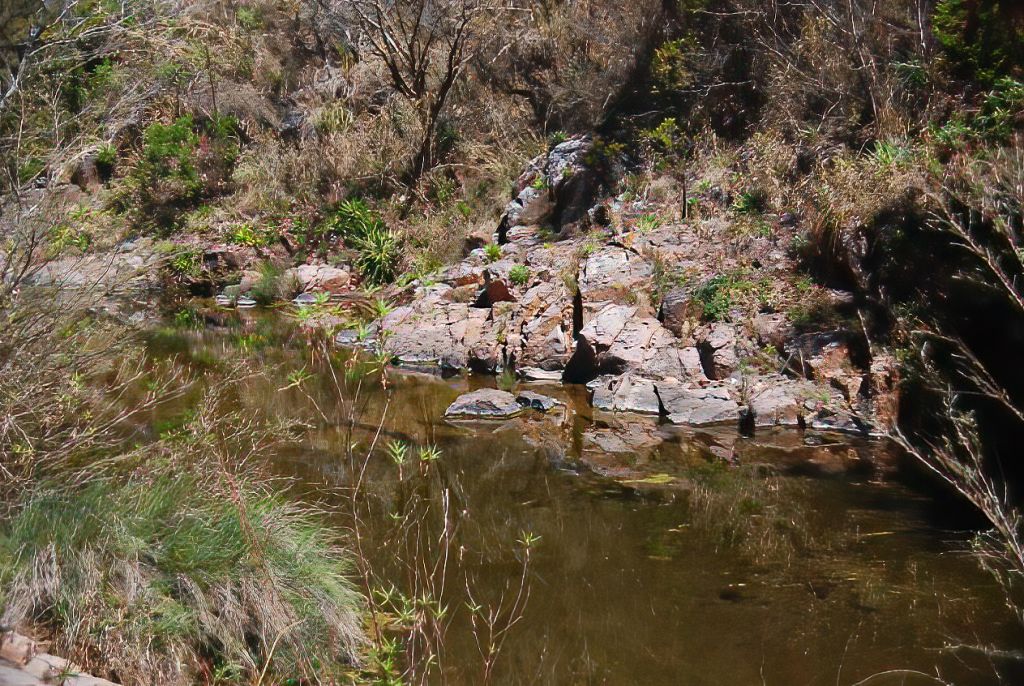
column 519, row 274
column 188, row 262
column 378, row 254
column 268, row 286
column 751, row 201
column 889, row 154
column 248, row 235
column 492, row 252
column 717, row 295
column 248, row 18
column 978, row 39
column 647, row 223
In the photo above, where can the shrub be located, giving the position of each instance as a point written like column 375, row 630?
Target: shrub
column 187, row 263
column 519, row 274
column 378, row 254
column 249, row 235
column 249, row 18
column 717, row 295
column 663, row 140
column 648, row 222
column 376, row 245
column 672, row 65
column 270, row 286
column 751, row 201
column 169, row 153
column 979, row 39
column 889, row 154
column 106, row 157
column 154, row 571
column 492, row 252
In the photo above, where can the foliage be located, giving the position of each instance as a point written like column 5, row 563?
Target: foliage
column 377, row 257
column 718, row 295
column 979, row 39
column 672, row 65
column 492, row 252
column 161, row 566
column 751, row 201
column 187, row 262
column 169, row 153
column 270, row 286
column 251, row 236
column 519, row 274
column 179, row 162
column 889, row 154
column 249, row 18
column 996, row 120
column 665, row 139
column 376, row 245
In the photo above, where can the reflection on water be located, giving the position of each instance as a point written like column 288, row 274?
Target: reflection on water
column 657, row 563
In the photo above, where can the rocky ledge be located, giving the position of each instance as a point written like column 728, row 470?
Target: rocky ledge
column 689, row 318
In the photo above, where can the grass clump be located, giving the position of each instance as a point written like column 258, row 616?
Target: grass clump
column 165, row 571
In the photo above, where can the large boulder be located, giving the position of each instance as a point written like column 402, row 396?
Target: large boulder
column 625, row 393
column 433, row 330
column 614, row 274
column 319, row 277
column 616, row 341
column 485, row 403
column 684, row 404
column 717, row 346
column 538, row 330
column 555, row 189
column 678, row 311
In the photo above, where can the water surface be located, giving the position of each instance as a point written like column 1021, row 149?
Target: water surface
column 657, row 562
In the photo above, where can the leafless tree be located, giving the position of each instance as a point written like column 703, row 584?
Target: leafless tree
column 426, row 46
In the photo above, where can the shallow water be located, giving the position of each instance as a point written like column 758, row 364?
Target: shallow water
column 809, row 563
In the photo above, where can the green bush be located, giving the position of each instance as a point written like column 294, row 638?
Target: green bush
column 169, row 152
column 270, row 286
column 717, row 295
column 376, row 245
column 980, row 40
column 187, row 263
column 997, row 118
column 750, row 201
column 378, row 254
column 248, row 235
column 519, row 274
column 492, row 252
column 248, row 18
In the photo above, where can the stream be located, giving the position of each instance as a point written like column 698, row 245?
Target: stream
column 810, row 560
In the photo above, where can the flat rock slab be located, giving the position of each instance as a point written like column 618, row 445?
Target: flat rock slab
column 486, row 403
column 697, row 406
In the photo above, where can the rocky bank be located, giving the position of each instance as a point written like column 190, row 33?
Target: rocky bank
column 657, row 307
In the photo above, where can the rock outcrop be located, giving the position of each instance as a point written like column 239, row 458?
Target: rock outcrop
column 584, row 314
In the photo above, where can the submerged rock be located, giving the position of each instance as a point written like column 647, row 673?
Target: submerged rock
column 486, row 403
